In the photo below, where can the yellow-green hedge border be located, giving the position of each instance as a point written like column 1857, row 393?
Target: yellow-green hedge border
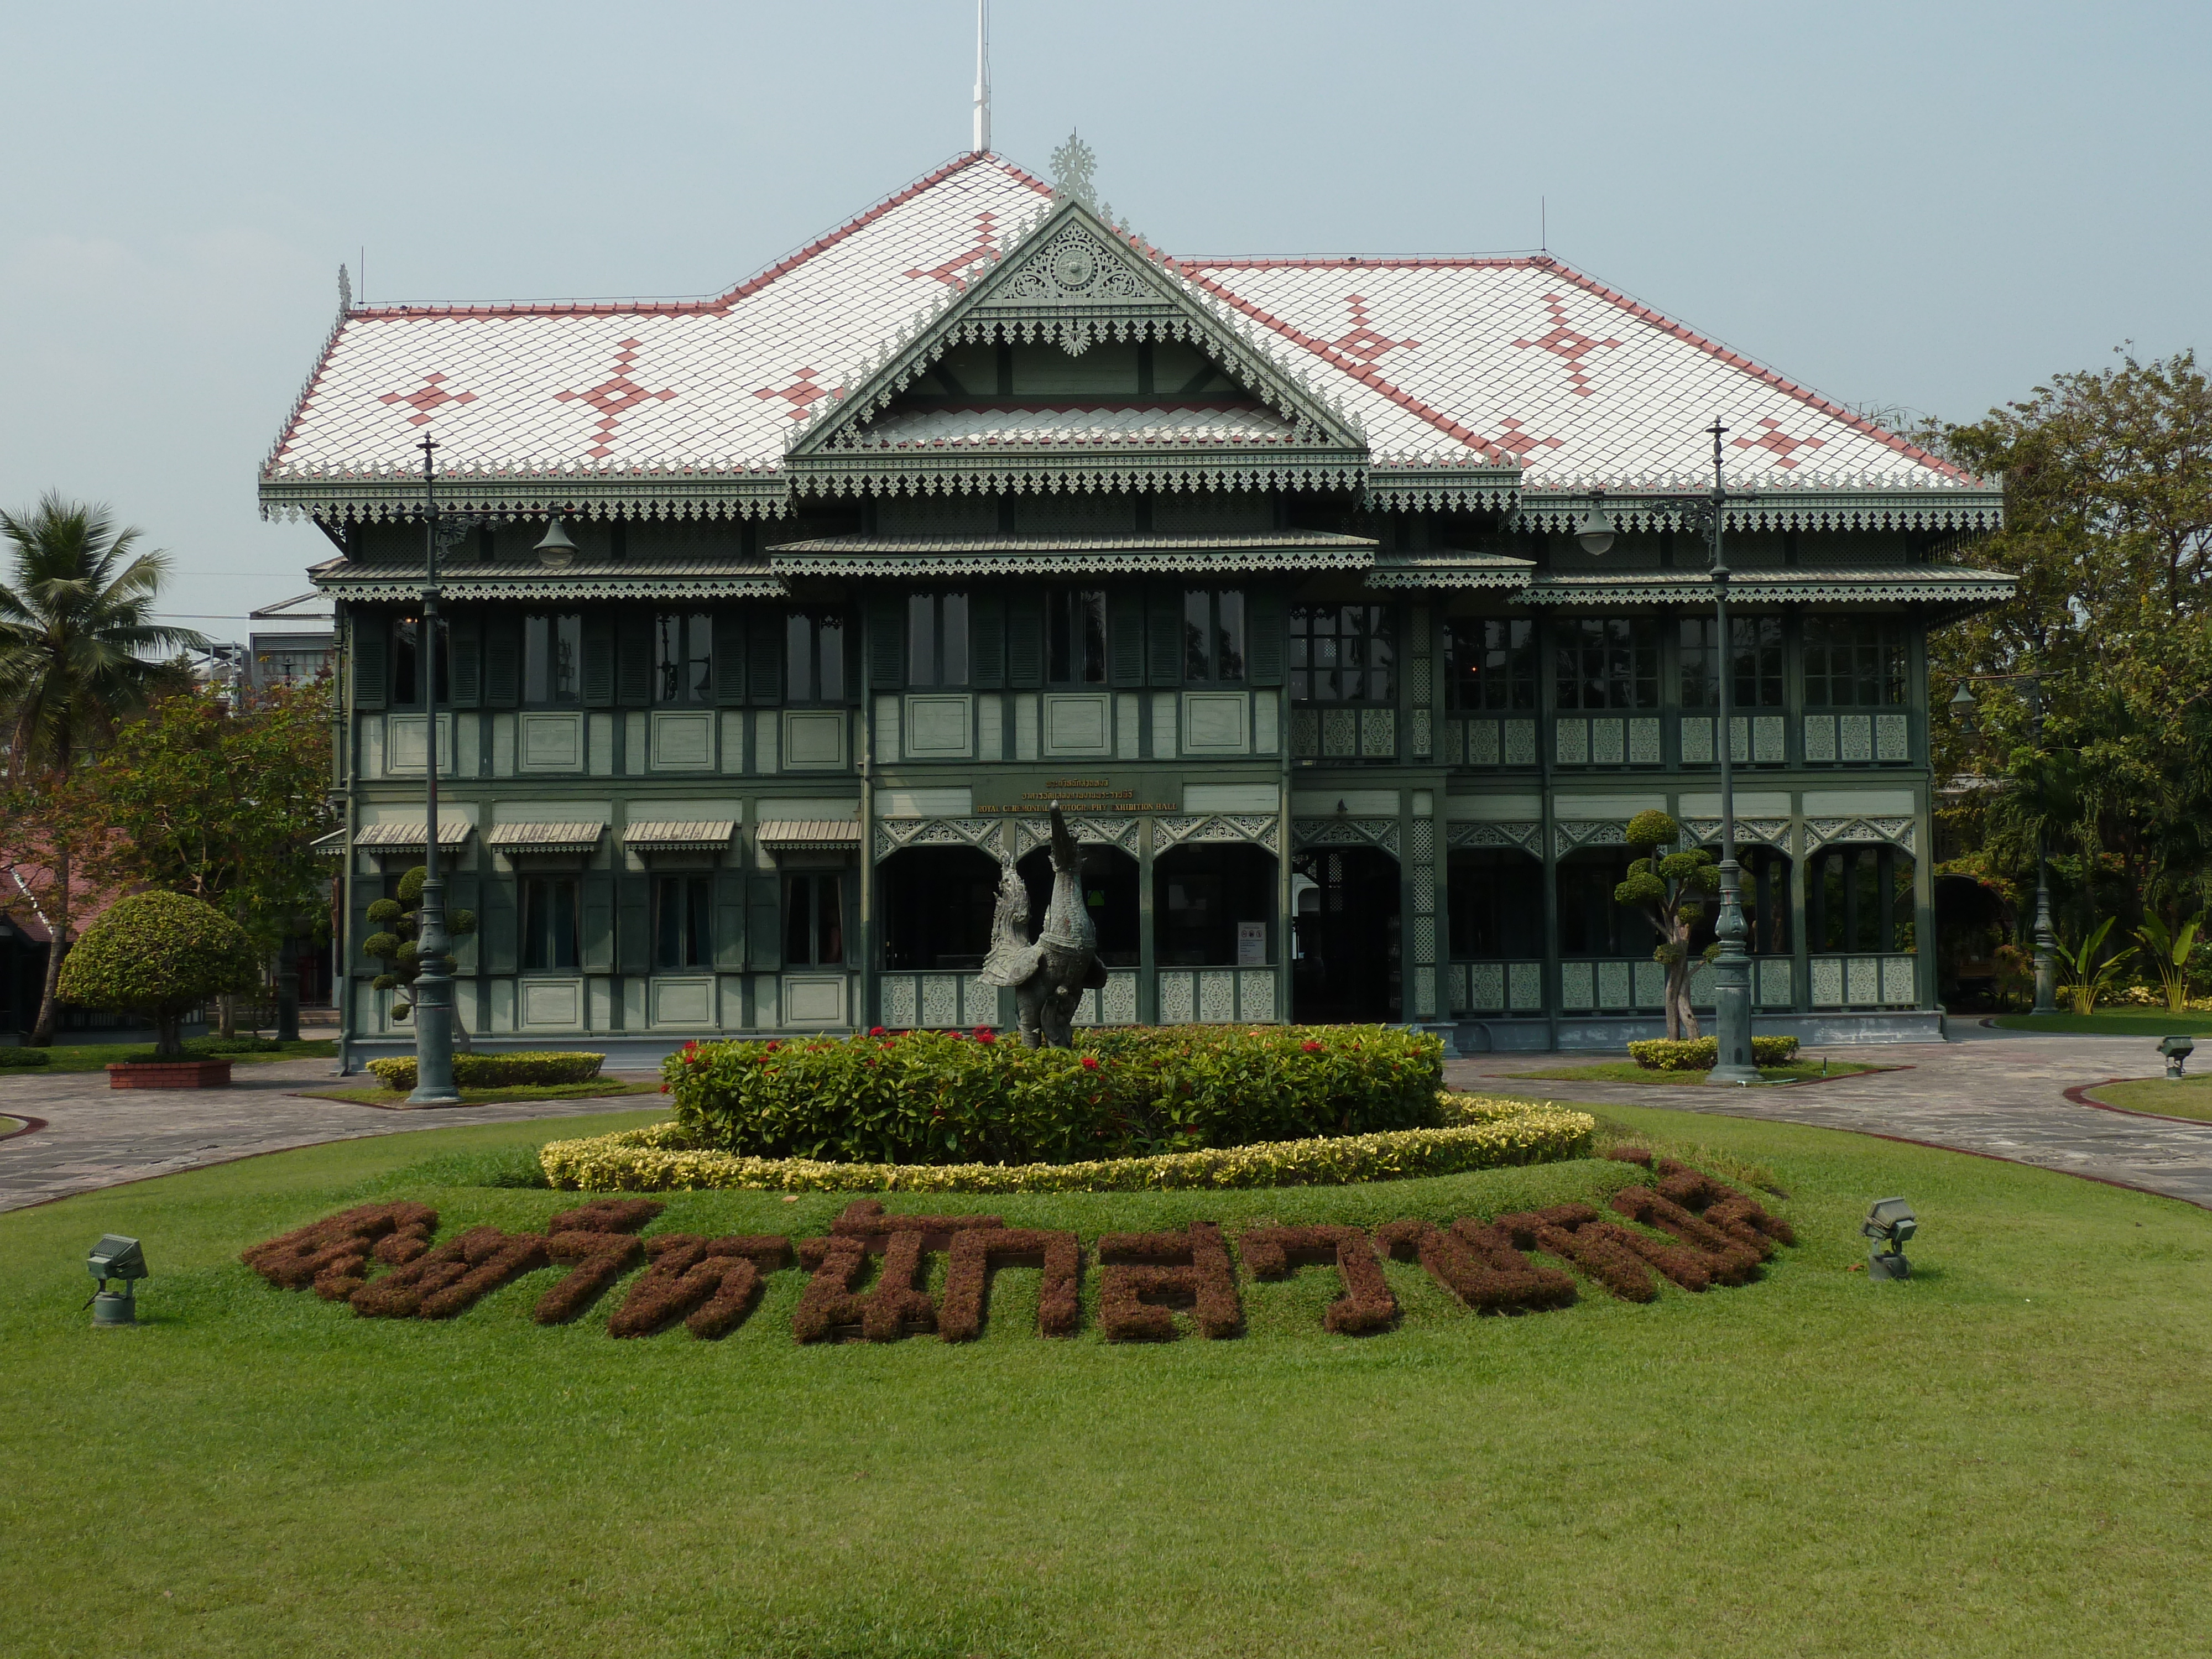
column 1486, row 1134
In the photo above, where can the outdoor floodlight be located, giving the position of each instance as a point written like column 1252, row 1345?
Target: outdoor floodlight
column 1890, row 1223
column 1962, row 709
column 2177, row 1050
column 1596, row 532
column 556, row 551
column 117, row 1258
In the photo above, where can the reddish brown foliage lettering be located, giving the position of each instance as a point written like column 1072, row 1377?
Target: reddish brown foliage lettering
column 600, row 1259
column 1726, row 1260
column 710, row 1283
column 1143, row 1274
column 898, row 1305
column 864, row 1219
column 1574, row 1233
column 450, row 1279
column 1739, row 1215
column 607, row 1215
column 1479, row 1265
column 333, row 1255
column 1366, row 1304
column 977, row 1250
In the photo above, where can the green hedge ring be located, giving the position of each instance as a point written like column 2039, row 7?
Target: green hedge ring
column 493, row 1070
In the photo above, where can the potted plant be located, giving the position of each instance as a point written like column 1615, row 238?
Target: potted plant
column 161, row 954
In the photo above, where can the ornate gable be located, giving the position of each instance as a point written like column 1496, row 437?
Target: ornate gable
column 1069, row 280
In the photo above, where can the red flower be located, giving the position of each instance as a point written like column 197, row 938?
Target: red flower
column 875, row 1031
column 664, row 1088
column 1089, row 1063
column 986, row 1037
column 1310, row 1046
column 773, row 1046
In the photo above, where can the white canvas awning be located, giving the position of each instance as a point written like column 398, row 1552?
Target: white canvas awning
column 710, row 835
column 400, row 838
column 810, row 835
column 545, row 837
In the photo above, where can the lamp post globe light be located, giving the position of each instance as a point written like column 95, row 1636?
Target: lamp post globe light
column 433, row 983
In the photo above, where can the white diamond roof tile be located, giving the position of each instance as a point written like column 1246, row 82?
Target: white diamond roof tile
column 925, row 428
column 1447, row 363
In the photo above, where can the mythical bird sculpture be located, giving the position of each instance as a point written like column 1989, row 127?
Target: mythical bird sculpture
column 1050, row 977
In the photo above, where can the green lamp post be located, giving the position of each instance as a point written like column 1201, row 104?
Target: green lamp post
column 433, row 983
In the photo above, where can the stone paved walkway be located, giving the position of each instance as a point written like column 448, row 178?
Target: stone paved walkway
column 2001, row 1093
column 98, row 1137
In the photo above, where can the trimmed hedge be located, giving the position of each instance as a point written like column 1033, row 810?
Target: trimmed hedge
column 1703, row 1054
column 24, row 1058
column 945, row 1097
column 495, row 1070
column 1495, row 1134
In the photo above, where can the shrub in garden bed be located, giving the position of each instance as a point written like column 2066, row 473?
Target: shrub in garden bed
column 1703, row 1054
column 945, row 1097
column 661, row 1158
column 496, row 1070
column 24, row 1058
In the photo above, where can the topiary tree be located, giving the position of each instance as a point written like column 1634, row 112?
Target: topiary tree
column 398, row 922
column 1665, row 890
column 161, row 954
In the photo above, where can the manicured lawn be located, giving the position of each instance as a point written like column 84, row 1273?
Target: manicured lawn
column 92, row 1056
column 2007, row 1454
column 2191, row 1096
column 599, row 1090
column 1627, row 1071
column 2149, row 1023
column 10, row 1125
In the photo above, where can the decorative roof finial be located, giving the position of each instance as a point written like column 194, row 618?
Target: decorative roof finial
column 345, row 291
column 1072, row 164
column 983, row 75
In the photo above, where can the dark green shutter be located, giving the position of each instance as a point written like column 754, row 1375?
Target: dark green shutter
column 764, row 656
column 598, row 923
column 886, row 640
column 498, row 926
column 987, row 640
column 1024, row 642
column 730, row 920
column 1125, row 635
column 1164, row 636
column 729, row 659
column 1268, row 619
column 634, row 658
column 634, row 925
column 598, row 660
column 765, row 940
column 371, row 671
column 465, row 648
column 502, row 649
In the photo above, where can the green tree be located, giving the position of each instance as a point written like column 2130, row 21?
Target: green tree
column 1665, row 889
column 163, row 954
column 79, row 651
column 2108, row 527
column 221, row 798
column 398, row 924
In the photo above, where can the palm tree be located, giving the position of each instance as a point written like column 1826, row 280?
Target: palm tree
column 79, row 650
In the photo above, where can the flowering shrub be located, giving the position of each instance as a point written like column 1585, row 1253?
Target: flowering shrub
column 1703, row 1054
column 660, row 1158
column 495, row 1071
column 944, row 1097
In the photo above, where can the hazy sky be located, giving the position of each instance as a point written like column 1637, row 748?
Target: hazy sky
column 1931, row 205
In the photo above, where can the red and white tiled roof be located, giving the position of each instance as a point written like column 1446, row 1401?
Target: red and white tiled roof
column 1448, row 363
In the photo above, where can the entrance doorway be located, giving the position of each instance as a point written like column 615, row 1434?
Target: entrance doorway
column 1348, row 965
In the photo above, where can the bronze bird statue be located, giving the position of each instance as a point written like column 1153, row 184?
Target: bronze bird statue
column 1050, row 977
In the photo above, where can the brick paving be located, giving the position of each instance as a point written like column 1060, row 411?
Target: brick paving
column 1995, row 1092
column 1999, row 1093
column 97, row 1137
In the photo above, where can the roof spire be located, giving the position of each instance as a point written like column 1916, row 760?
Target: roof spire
column 983, row 75
column 345, row 292
column 1072, row 164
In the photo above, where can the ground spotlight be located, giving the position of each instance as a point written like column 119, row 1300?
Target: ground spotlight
column 2177, row 1050
column 121, row 1260
column 1891, row 1223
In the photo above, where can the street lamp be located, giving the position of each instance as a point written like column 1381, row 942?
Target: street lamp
column 1961, row 706
column 433, row 983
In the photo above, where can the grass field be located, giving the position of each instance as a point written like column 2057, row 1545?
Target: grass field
column 93, row 1057
column 10, row 1125
column 1627, row 1071
column 2008, row 1454
column 2149, row 1023
column 599, row 1090
column 2191, row 1096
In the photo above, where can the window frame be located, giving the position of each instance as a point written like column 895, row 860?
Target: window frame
column 693, row 947
column 407, row 647
column 817, row 624
column 560, row 628
column 1516, row 668
column 825, row 903
column 694, row 660
column 1379, row 637
column 1219, row 641
column 1063, row 606
column 1574, row 657
column 537, row 892
column 1758, row 663
column 1882, row 639
column 935, row 619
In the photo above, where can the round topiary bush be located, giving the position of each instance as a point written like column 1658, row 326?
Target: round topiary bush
column 162, row 954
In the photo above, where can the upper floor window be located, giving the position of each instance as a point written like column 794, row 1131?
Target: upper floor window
column 1344, row 653
column 1853, row 662
column 1213, row 634
column 1607, row 662
column 407, row 664
column 1075, row 637
column 937, row 639
column 1755, row 660
column 682, row 908
column 814, row 657
column 683, row 658
column 1492, row 662
column 552, row 649
column 813, row 920
column 549, row 923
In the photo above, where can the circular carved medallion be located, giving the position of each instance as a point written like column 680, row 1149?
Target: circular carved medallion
column 1075, row 267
